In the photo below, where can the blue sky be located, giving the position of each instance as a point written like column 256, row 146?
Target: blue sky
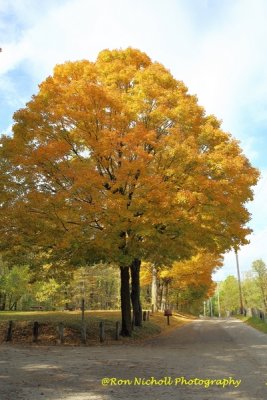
column 217, row 47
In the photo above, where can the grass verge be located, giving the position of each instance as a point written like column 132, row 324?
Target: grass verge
column 254, row 322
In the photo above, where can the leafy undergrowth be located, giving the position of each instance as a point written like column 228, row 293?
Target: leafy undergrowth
column 48, row 322
column 254, row 322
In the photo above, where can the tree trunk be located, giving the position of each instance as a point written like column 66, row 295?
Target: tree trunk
column 163, row 297
column 126, row 325
column 154, row 292
column 10, row 302
column 135, row 293
column 167, row 295
column 2, row 301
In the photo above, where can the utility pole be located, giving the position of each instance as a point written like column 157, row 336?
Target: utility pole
column 218, row 299
column 239, row 283
column 204, row 305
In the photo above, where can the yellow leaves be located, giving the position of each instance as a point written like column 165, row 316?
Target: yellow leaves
column 195, row 271
column 165, row 273
column 155, row 82
column 186, row 198
column 54, row 150
column 118, row 68
column 47, row 267
column 145, row 274
column 70, row 72
column 121, row 141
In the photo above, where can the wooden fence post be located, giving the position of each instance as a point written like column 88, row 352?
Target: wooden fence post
column 144, row 315
column 83, row 332
column 35, row 331
column 102, row 331
column 60, row 330
column 117, row 333
column 9, row 331
column 83, row 308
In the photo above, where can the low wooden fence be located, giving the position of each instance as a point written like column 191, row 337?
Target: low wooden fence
column 60, row 329
column 12, row 329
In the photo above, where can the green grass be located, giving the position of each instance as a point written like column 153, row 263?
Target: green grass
column 254, row 322
column 70, row 318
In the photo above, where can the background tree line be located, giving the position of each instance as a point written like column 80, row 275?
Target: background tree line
column 21, row 288
column 254, row 290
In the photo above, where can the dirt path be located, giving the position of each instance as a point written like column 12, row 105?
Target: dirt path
column 224, row 351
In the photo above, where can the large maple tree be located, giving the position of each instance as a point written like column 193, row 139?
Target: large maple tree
column 114, row 160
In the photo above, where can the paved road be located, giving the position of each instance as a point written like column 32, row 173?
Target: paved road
column 212, row 353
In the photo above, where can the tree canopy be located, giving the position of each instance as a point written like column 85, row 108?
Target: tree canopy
column 113, row 160
column 114, row 154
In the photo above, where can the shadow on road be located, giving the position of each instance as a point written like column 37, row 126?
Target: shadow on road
column 205, row 349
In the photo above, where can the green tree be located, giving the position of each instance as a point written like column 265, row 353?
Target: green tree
column 229, row 294
column 260, row 270
column 251, row 292
column 48, row 292
column 98, row 285
column 14, row 283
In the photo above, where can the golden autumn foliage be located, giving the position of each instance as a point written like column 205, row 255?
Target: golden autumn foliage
column 146, row 274
column 193, row 272
column 114, row 159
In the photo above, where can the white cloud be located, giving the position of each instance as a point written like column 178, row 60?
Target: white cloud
column 80, row 29
column 247, row 254
column 220, row 63
column 258, row 208
column 228, row 70
column 223, row 63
